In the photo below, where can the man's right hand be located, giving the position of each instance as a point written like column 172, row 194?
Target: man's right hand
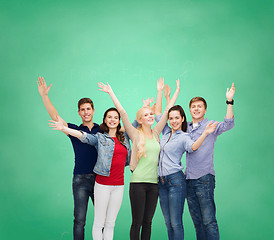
column 42, row 87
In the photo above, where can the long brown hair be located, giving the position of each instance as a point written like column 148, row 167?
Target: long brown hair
column 182, row 113
column 104, row 127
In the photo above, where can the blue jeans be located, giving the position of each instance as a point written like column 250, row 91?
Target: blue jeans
column 172, row 194
column 200, row 199
column 83, row 188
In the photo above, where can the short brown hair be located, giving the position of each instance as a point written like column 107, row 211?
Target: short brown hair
column 85, row 100
column 196, row 99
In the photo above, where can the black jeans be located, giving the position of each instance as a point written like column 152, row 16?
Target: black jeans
column 143, row 200
column 83, row 189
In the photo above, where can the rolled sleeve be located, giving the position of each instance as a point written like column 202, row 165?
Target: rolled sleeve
column 188, row 144
column 90, row 139
column 224, row 126
column 84, row 137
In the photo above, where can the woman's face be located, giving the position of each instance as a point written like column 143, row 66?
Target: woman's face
column 112, row 119
column 175, row 120
column 147, row 117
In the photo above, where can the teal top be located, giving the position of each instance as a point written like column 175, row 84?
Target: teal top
column 147, row 167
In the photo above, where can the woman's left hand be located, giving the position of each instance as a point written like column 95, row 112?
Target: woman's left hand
column 104, row 88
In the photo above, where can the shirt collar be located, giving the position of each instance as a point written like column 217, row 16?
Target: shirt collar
column 199, row 123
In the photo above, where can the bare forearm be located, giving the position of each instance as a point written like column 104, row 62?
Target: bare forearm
column 199, row 141
column 229, row 112
column 158, row 106
column 173, row 99
column 50, row 108
column 116, row 101
column 72, row 132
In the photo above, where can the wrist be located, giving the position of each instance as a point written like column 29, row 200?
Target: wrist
column 230, row 101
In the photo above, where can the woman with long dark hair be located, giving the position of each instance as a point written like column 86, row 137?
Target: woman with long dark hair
column 172, row 183
column 114, row 151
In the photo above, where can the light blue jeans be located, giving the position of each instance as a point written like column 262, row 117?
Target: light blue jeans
column 172, row 194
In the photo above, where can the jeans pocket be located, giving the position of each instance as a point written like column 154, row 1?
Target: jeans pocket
column 77, row 179
column 177, row 181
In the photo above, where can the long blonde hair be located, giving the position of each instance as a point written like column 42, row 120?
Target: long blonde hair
column 141, row 150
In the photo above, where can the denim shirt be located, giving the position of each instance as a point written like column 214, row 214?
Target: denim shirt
column 105, row 148
column 172, row 150
column 200, row 162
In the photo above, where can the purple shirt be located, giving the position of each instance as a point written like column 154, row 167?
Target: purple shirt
column 200, row 162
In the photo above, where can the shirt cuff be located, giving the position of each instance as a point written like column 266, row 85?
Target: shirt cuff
column 84, row 136
column 229, row 120
column 158, row 118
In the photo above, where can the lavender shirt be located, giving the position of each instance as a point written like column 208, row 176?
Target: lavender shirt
column 200, row 162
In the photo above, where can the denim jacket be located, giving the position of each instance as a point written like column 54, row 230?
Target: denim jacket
column 104, row 145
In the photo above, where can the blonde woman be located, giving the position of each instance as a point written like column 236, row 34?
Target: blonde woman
column 144, row 161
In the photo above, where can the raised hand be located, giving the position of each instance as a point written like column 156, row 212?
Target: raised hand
column 230, row 93
column 210, row 128
column 57, row 125
column 104, row 88
column 178, row 84
column 160, row 84
column 147, row 102
column 42, row 86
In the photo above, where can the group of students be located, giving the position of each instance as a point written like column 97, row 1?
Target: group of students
column 102, row 152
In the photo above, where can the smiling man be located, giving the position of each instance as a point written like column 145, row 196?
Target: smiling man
column 200, row 172
column 85, row 157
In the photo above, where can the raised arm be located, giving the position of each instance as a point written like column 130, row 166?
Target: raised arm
column 174, row 97
column 209, row 129
column 44, row 90
column 160, row 88
column 167, row 93
column 229, row 96
column 131, row 131
column 161, row 124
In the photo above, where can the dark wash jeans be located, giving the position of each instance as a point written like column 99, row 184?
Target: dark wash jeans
column 172, row 194
column 143, row 200
column 83, row 189
column 200, row 199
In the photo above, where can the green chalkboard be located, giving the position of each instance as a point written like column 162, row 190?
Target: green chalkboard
column 75, row 44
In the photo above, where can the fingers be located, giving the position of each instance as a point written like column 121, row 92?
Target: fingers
column 40, row 81
column 178, row 83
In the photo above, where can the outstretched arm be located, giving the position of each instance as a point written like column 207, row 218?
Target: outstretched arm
column 127, row 124
column 160, row 88
column 43, row 90
column 229, row 96
column 59, row 125
column 209, row 129
column 84, row 137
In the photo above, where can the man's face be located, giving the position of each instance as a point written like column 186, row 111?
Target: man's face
column 86, row 112
column 197, row 110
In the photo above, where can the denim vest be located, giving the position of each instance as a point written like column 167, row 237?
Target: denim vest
column 104, row 145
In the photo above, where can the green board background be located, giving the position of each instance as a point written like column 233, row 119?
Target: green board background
column 75, row 44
